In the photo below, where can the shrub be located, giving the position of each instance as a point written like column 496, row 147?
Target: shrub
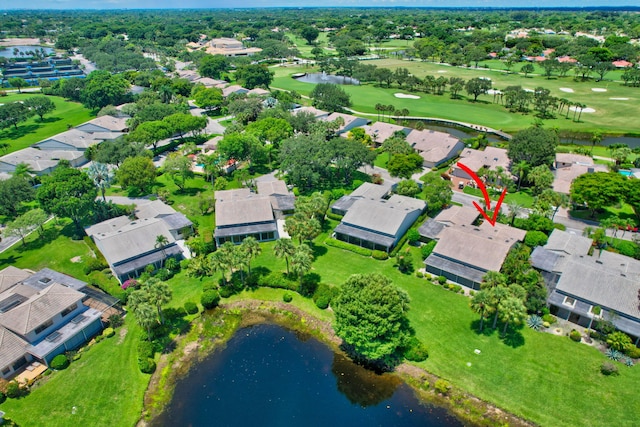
column 608, row 368
column 613, row 354
column 145, row 350
column 633, row 352
column 627, row 361
column 191, row 308
column 413, row 236
column 323, row 296
column 549, row 318
column 276, row 279
column 164, row 274
column 535, row 238
column 419, row 274
column 130, row 283
column 211, row 299
column 14, row 390
column 59, row 362
column 546, row 324
column 347, row 246
column 115, row 321
column 108, row 332
column 380, row 255
column 535, row 322
column 3, row 397
column 147, row 366
column 442, row 386
column 94, row 264
column 225, row 292
column 416, row 351
column 559, row 226
column 99, row 338
column 334, row 216
column 618, row 341
column 442, row 280
column 627, row 248
column 47, row 372
column 575, row 335
column 426, row 250
column 287, row 297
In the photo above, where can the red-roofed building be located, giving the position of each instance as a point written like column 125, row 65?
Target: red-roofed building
column 622, row 64
column 566, row 58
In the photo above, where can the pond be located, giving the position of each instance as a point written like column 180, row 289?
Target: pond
column 8, row 51
column 270, row 376
column 325, row 78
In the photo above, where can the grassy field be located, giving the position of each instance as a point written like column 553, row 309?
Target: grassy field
column 610, row 116
column 33, row 130
column 104, row 385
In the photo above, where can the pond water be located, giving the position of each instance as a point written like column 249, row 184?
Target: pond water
column 270, row 376
column 7, row 52
column 326, row 78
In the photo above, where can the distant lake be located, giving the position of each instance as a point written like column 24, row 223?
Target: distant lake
column 270, row 376
column 7, row 52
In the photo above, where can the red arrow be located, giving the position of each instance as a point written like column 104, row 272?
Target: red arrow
column 487, row 201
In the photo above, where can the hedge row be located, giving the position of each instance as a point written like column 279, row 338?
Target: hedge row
column 348, row 246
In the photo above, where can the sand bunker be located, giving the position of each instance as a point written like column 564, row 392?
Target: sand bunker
column 619, row 99
column 584, row 110
column 566, row 89
column 529, row 90
column 598, row 89
column 494, row 92
column 442, row 71
column 485, row 78
column 405, row 96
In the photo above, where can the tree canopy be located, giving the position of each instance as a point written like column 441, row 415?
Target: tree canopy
column 535, row 145
column 330, row 97
column 371, row 317
column 598, row 190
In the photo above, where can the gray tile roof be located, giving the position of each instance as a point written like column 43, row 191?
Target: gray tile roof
column 381, row 216
column 267, row 188
column 132, row 240
column 457, row 215
column 567, row 243
column 243, row 210
column 316, row 113
column 40, row 160
column 546, row 260
column 113, row 224
column 601, row 283
column 246, row 229
column 39, row 308
column 46, row 276
column 176, row 221
column 12, row 347
column 153, row 209
column 381, row 131
column 372, row 191
column 109, row 123
column 125, row 268
column 490, row 157
column 433, row 146
column 282, row 202
column 481, row 247
column 73, row 138
column 431, row 228
column 367, row 235
column 11, row 276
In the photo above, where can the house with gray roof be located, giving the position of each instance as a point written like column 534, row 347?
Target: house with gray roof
column 282, row 200
column 42, row 162
column 491, row 158
column 70, row 140
column 42, row 315
column 434, row 147
column 103, row 124
column 242, row 213
column 350, row 121
column 465, row 252
column 578, row 283
column 381, row 131
column 130, row 245
column 374, row 222
column 318, row 114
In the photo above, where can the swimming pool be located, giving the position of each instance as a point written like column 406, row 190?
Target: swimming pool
column 625, row 172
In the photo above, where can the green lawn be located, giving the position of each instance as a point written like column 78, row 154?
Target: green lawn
column 66, row 114
column 610, row 116
column 521, row 197
column 104, row 385
column 381, row 160
column 623, row 211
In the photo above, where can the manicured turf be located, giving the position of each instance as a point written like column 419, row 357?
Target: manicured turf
column 66, row 114
column 104, row 386
column 610, row 116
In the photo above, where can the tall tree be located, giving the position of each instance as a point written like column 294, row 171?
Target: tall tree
column 103, row 88
column 178, row 167
column 40, row 105
column 520, row 169
column 301, row 261
column 213, row 66
column 254, row 75
column 251, row 249
column 146, row 316
column 13, row 192
column 477, row 86
column 101, row 176
column 330, row 97
column 284, row 248
column 137, row 172
column 68, row 192
column 481, row 304
column 512, row 311
column 371, row 318
column 534, row 145
column 159, row 293
column 598, row 190
column 161, row 242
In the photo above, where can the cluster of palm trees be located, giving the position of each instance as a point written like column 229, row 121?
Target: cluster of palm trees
column 613, row 223
column 381, row 108
column 504, row 301
column 147, row 301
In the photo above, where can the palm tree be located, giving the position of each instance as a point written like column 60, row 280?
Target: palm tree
column 217, row 263
column 101, row 176
column 520, row 169
column 146, row 317
column 239, row 261
column 515, row 209
column 227, row 253
column 512, row 311
column 481, row 304
column 492, row 279
column 582, row 107
column 137, row 298
column 497, row 294
column 251, row 248
column 301, row 261
column 23, row 170
column 159, row 293
column 161, row 242
column 284, row 248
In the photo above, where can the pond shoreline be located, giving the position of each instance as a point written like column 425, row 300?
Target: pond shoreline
column 195, row 346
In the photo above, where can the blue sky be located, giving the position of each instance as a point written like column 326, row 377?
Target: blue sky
column 169, row 4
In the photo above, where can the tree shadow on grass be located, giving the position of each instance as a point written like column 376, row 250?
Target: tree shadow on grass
column 513, row 338
column 50, row 120
column 318, row 250
column 486, row 327
column 190, row 191
column 10, row 260
column 21, row 131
